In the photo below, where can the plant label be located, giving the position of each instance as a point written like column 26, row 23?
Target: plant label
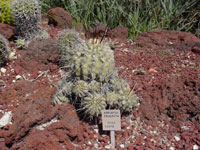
column 111, row 120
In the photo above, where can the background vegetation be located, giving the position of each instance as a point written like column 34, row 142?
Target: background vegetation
column 138, row 15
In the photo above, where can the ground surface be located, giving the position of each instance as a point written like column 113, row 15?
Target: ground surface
column 162, row 66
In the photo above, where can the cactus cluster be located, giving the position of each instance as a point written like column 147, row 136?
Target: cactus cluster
column 4, row 51
column 86, row 59
column 94, row 81
column 26, row 15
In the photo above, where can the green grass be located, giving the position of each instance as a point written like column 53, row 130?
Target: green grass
column 138, row 15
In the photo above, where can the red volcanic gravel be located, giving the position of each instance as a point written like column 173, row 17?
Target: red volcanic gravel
column 162, row 66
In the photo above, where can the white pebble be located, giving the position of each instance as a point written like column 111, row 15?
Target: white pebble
column 96, row 130
column 122, row 145
column 171, row 148
column 13, row 81
column 18, row 77
column 108, row 147
column 195, row 147
column 3, row 70
column 6, row 119
column 89, row 143
column 177, row 138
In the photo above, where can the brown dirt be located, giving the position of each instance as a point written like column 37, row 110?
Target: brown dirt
column 162, row 66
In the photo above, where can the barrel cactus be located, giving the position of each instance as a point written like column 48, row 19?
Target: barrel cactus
column 26, row 15
column 81, row 88
column 112, row 99
column 127, row 99
column 59, row 98
column 94, row 62
column 93, row 104
column 6, row 12
column 64, row 91
column 4, row 51
column 68, row 43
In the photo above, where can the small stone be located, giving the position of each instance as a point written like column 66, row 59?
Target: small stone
column 12, row 55
column 3, row 70
column 89, row 143
column 122, row 145
column 18, row 77
column 96, row 130
column 195, row 147
column 6, row 119
column 131, row 147
column 177, row 138
column 108, row 147
column 171, row 148
column 96, row 145
column 14, row 81
column 185, row 127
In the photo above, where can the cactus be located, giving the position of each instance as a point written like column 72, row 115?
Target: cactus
column 4, row 51
column 64, row 90
column 127, row 99
column 112, row 98
column 94, row 62
column 69, row 41
column 94, row 86
column 86, row 60
column 59, row 98
column 81, row 88
column 6, row 12
column 93, row 104
column 26, row 18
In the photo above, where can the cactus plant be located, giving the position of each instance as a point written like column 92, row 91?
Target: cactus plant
column 94, row 86
column 94, row 62
column 87, row 60
column 112, row 98
column 127, row 99
column 59, row 98
column 93, row 104
column 64, row 90
column 69, row 41
column 4, row 51
column 26, row 18
column 80, row 88
column 6, row 12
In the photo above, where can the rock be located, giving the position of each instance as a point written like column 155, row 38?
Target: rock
column 39, row 56
column 169, row 39
column 56, row 134
column 3, row 70
column 195, row 147
column 119, row 32
column 60, row 18
column 131, row 147
column 6, row 30
column 42, row 50
column 6, row 119
column 79, row 28
column 18, row 77
column 97, row 31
